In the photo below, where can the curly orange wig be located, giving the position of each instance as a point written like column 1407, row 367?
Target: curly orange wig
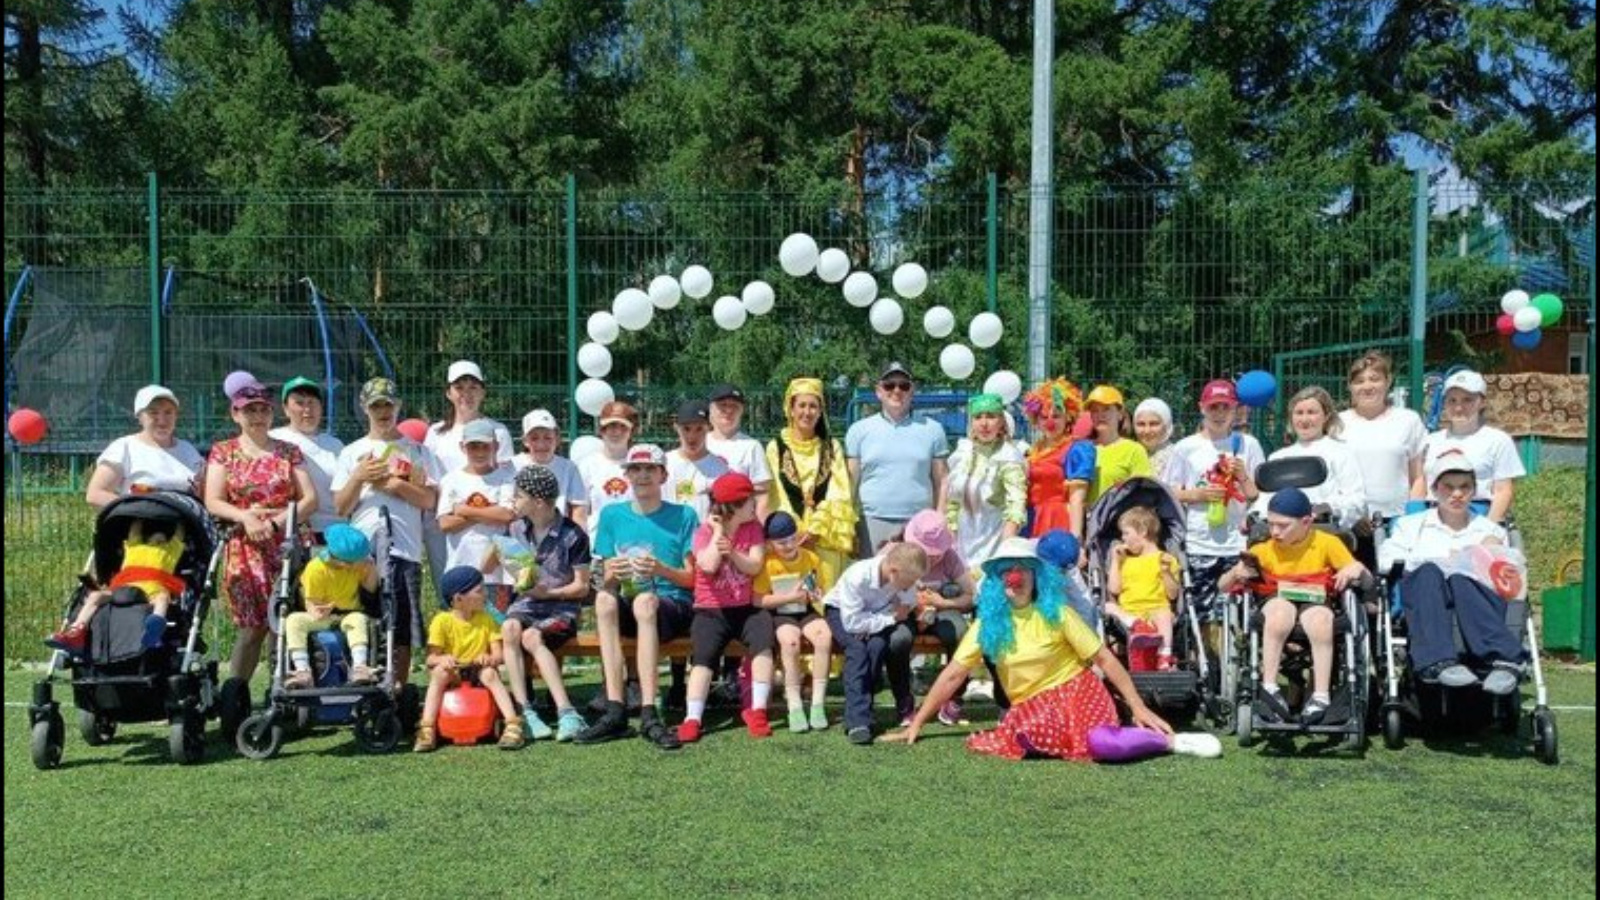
column 1058, row 393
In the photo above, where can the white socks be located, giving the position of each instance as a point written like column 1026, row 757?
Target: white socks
column 696, row 709
column 760, row 691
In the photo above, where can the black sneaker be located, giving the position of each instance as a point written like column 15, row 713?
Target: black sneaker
column 1270, row 708
column 724, row 695
column 654, row 731
column 612, row 724
column 630, row 698
column 1313, row 712
column 861, row 735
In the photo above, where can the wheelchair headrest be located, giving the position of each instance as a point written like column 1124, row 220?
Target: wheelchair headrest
column 1291, row 472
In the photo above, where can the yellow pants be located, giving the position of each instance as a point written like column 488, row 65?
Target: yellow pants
column 300, row 625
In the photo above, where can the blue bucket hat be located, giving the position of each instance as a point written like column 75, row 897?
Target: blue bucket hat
column 346, row 544
column 1291, row 502
column 457, row 581
column 1059, row 548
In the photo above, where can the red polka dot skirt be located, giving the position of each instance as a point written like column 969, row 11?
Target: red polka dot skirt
column 1055, row 723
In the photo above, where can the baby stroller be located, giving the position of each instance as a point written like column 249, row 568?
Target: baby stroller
column 1351, row 684
column 1408, row 701
column 118, row 679
column 1187, row 690
column 331, row 700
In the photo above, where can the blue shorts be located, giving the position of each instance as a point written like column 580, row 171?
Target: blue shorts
column 555, row 621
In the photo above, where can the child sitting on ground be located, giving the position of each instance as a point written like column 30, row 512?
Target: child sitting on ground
column 1143, row 582
column 787, row 586
column 148, row 563
column 330, row 588
column 464, row 646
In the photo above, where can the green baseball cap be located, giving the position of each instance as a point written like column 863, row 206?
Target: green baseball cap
column 299, row 383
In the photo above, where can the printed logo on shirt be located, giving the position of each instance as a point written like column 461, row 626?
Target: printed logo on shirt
column 685, row 491
column 478, row 501
column 140, row 488
column 615, row 486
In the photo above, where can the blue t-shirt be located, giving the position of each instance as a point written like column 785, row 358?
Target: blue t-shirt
column 667, row 534
column 896, row 463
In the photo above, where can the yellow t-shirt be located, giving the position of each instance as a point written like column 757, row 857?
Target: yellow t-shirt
column 465, row 640
column 163, row 556
column 1142, row 590
column 1045, row 656
column 1321, row 554
column 1115, row 463
column 339, row 586
column 787, row 573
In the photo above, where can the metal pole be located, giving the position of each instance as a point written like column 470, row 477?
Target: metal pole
column 1586, row 639
column 1039, row 191
column 153, row 210
column 992, row 257
column 1419, row 281
column 572, row 307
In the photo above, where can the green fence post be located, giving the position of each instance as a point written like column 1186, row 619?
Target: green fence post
column 992, row 256
column 572, row 307
column 1419, row 281
column 153, row 211
column 1586, row 625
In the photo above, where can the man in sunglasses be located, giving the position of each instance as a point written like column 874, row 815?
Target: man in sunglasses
column 897, row 460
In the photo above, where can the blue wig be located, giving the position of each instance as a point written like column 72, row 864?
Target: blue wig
column 995, row 634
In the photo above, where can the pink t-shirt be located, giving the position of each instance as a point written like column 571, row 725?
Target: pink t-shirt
column 727, row 586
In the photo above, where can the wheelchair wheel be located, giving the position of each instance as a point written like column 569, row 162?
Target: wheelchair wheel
column 95, row 729
column 1394, row 729
column 49, row 734
column 233, row 707
column 1544, row 737
column 186, row 739
column 378, row 731
column 260, row 737
column 1243, row 723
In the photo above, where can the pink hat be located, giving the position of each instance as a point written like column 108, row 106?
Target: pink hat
column 927, row 530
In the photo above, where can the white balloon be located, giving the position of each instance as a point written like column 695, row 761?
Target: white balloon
column 957, row 362
column 1513, row 301
column 910, row 280
column 1006, row 383
column 665, row 292
column 833, row 265
column 938, row 322
column 886, row 316
column 985, row 330
column 633, row 309
column 593, row 394
column 594, row 360
column 729, row 312
column 585, row 445
column 696, row 282
column 758, row 298
column 1527, row 318
column 860, row 289
column 603, row 327
column 798, row 254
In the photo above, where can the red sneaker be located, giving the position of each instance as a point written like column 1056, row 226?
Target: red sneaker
column 73, row 639
column 756, row 721
column 1166, row 662
column 689, row 731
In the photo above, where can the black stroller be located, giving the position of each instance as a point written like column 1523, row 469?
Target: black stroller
column 118, row 679
column 1185, row 691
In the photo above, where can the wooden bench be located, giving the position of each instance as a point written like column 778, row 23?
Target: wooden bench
column 587, row 643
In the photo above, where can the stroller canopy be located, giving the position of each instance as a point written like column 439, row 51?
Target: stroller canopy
column 1101, row 526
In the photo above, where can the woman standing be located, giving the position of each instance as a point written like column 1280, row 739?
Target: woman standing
column 811, row 480
column 1493, row 455
column 250, row 481
column 1315, row 431
column 1152, row 425
column 1386, row 440
column 465, row 390
column 986, row 493
column 1117, row 456
column 1059, row 467
column 151, row 459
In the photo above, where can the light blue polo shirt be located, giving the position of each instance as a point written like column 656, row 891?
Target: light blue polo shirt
column 896, row 463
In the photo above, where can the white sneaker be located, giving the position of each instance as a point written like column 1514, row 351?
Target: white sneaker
column 1197, row 743
column 976, row 688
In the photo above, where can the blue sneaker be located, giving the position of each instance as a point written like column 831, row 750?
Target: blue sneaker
column 155, row 627
column 537, row 729
column 568, row 724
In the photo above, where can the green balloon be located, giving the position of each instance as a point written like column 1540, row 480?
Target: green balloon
column 1549, row 307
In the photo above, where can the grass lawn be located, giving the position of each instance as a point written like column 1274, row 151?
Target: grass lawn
column 800, row 815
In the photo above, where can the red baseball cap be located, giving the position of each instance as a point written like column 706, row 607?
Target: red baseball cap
column 1219, row 391
column 732, row 487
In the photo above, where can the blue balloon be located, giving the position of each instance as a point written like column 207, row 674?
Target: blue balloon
column 1527, row 340
column 1257, row 389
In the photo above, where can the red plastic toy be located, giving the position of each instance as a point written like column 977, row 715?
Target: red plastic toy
column 467, row 715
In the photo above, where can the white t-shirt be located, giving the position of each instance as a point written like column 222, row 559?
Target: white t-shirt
column 604, row 480
column 743, row 454
column 1492, row 452
column 1191, row 459
column 689, row 481
column 1384, row 448
column 471, row 544
column 446, row 445
column 1423, row 538
column 321, row 451
column 406, row 541
column 146, row 465
column 573, row 491
column 1342, row 491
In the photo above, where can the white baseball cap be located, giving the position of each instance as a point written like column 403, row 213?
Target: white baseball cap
column 539, row 418
column 645, row 455
column 1447, row 462
column 462, row 368
column 149, row 394
column 1468, row 381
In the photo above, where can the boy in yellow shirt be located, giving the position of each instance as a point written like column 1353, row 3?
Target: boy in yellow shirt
column 789, row 586
column 464, row 645
column 1143, row 581
column 330, row 588
column 1300, row 570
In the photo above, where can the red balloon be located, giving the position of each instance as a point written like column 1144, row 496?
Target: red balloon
column 27, row 426
column 416, row 429
column 1505, row 325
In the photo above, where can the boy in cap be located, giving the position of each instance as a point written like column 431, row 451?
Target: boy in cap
column 741, row 452
column 788, row 587
column 691, row 466
column 464, row 647
column 541, row 434
column 475, row 508
column 303, row 408
column 1299, row 573
column 330, row 590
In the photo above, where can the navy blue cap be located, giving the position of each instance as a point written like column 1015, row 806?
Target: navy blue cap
column 1291, row 502
column 781, row 525
column 457, row 581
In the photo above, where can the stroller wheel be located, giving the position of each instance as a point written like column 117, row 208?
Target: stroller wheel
column 260, row 737
column 95, row 729
column 379, row 731
column 1544, row 737
column 1394, row 729
column 1243, row 723
column 186, row 741
column 48, row 735
column 233, row 707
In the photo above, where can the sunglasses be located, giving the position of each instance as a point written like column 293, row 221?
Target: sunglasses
column 901, row 386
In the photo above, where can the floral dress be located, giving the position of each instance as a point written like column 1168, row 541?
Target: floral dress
column 266, row 481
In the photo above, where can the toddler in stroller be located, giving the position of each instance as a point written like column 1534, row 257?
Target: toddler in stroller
column 330, row 588
column 1143, row 582
column 149, row 564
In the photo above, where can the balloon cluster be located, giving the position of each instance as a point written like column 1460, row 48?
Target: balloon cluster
column 1524, row 318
